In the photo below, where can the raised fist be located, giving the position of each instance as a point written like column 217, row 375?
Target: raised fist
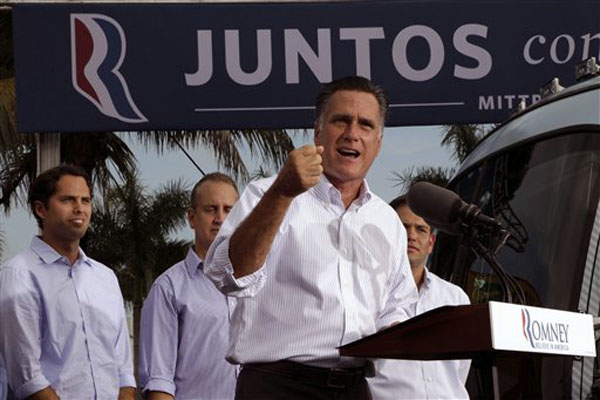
column 300, row 172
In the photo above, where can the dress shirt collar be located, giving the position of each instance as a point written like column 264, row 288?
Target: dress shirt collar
column 193, row 263
column 50, row 256
column 426, row 281
column 325, row 191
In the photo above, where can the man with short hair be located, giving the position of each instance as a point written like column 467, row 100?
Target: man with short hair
column 400, row 379
column 185, row 319
column 315, row 258
column 64, row 332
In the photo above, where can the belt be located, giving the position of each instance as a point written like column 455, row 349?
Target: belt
column 338, row 378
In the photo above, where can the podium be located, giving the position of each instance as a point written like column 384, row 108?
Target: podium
column 481, row 331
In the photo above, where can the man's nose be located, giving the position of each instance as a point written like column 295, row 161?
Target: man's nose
column 220, row 216
column 78, row 206
column 351, row 132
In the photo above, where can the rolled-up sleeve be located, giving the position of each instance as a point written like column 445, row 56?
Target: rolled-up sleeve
column 217, row 266
column 158, row 339
column 21, row 332
column 402, row 288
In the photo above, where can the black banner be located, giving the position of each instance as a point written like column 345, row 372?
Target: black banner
column 84, row 67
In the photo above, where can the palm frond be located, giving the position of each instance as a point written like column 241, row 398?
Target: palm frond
column 409, row 176
column 272, row 146
column 18, row 169
column 461, row 139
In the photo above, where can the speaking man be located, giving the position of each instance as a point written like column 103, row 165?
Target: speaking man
column 315, row 259
column 399, row 379
column 63, row 333
column 185, row 319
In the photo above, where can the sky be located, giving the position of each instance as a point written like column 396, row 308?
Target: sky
column 402, row 149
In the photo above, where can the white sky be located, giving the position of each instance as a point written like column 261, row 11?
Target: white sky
column 402, row 148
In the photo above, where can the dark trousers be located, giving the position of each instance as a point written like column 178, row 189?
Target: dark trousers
column 256, row 383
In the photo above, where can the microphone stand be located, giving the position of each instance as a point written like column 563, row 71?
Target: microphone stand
column 474, row 236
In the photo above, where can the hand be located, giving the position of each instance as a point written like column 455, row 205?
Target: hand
column 300, row 172
column 126, row 393
column 45, row 394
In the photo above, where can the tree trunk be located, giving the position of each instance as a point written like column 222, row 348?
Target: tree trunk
column 137, row 314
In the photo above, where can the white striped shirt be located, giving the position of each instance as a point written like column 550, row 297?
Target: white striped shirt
column 333, row 275
column 424, row 380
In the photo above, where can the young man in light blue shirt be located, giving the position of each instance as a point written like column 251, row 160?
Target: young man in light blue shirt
column 63, row 333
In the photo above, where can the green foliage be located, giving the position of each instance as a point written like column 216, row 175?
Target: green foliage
column 460, row 140
column 130, row 232
column 271, row 145
column 437, row 175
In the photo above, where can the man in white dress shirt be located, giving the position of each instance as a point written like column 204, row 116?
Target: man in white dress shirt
column 315, row 259
column 417, row 380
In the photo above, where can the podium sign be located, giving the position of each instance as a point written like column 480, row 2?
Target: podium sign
column 459, row 332
column 541, row 330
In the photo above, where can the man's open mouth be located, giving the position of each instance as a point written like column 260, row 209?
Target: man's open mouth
column 349, row 153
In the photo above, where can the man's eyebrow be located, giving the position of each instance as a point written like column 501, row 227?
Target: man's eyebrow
column 366, row 121
column 341, row 117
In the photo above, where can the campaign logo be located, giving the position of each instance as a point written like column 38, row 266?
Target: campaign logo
column 526, row 325
column 98, row 48
column 540, row 334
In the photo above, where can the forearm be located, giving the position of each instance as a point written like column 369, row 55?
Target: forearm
column 152, row 395
column 45, row 394
column 251, row 242
column 126, row 393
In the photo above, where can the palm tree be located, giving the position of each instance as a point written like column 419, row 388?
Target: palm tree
column 460, row 139
column 98, row 152
column 130, row 232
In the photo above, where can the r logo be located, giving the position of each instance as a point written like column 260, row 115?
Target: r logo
column 98, row 48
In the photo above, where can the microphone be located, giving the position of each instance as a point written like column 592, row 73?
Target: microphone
column 443, row 209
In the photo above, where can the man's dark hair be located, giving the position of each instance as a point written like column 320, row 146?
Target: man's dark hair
column 354, row 83
column 212, row 177
column 399, row 201
column 44, row 186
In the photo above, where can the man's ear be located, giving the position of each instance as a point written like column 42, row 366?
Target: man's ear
column 190, row 216
column 432, row 238
column 40, row 209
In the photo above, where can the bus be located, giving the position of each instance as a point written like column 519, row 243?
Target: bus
column 538, row 174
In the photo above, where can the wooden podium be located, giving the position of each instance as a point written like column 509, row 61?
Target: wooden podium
column 445, row 333
column 481, row 332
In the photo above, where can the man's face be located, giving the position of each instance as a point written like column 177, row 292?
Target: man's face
column 420, row 238
column 214, row 200
column 350, row 130
column 67, row 215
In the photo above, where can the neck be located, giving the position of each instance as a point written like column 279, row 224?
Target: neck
column 200, row 251
column 419, row 275
column 69, row 249
column 349, row 190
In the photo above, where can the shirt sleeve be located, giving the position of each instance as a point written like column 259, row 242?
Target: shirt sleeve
column 158, row 339
column 123, row 348
column 402, row 289
column 21, row 332
column 217, row 265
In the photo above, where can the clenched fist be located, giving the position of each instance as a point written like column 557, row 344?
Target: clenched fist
column 300, row 172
